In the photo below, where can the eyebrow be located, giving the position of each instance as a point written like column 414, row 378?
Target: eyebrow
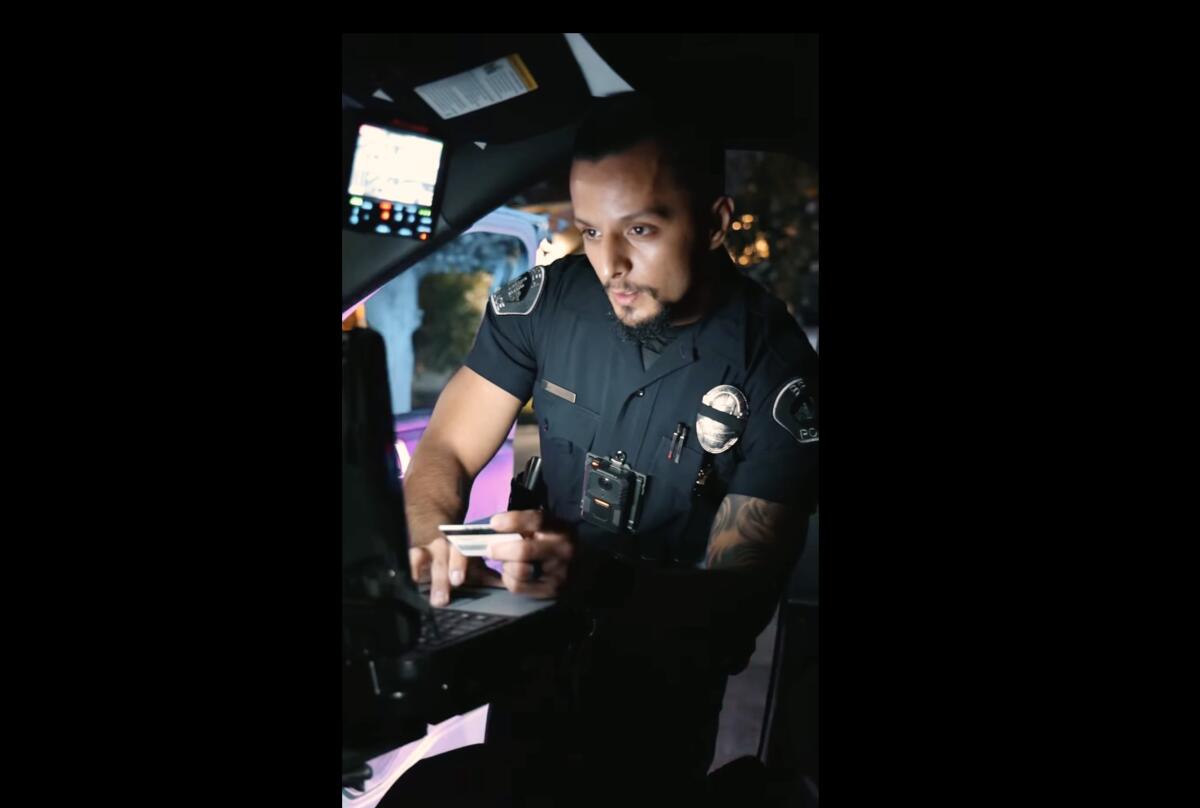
column 660, row 211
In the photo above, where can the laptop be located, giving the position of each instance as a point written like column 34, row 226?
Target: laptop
column 405, row 663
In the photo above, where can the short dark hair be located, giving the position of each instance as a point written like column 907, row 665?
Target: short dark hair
column 619, row 122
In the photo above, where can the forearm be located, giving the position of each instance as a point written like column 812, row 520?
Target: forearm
column 437, row 490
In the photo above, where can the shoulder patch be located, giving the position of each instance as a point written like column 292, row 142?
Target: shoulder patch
column 796, row 411
column 521, row 294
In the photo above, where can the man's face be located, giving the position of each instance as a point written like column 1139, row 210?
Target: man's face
column 639, row 231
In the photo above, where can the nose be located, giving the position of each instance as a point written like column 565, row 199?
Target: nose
column 614, row 263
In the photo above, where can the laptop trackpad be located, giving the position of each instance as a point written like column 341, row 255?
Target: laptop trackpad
column 490, row 600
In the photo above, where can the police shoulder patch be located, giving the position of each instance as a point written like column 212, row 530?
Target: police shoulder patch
column 520, row 295
column 796, row 411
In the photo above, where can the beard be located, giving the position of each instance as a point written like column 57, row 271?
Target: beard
column 653, row 331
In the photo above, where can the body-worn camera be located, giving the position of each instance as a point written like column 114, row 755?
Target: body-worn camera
column 612, row 494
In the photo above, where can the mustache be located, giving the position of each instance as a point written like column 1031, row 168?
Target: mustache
column 609, row 287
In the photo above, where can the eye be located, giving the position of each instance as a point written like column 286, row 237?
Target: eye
column 589, row 233
column 641, row 230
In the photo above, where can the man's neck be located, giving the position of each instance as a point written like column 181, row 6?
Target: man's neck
column 702, row 297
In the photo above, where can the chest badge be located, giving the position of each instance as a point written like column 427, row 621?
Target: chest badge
column 721, row 418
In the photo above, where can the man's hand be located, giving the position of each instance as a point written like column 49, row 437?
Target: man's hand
column 548, row 544
column 443, row 566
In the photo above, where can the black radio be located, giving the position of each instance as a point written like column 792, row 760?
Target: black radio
column 528, row 491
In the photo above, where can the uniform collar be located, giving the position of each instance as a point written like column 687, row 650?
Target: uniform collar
column 722, row 332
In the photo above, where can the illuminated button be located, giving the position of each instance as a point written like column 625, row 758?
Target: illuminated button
column 385, row 205
column 383, row 228
column 404, row 231
column 353, row 220
column 423, row 230
column 426, row 220
column 356, row 200
column 423, row 236
column 367, row 205
column 411, row 208
column 387, row 214
column 426, row 212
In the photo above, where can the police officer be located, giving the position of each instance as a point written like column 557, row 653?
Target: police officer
column 676, row 405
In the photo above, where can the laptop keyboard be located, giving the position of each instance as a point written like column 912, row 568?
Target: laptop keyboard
column 454, row 625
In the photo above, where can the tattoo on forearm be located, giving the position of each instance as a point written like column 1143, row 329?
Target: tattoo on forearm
column 746, row 534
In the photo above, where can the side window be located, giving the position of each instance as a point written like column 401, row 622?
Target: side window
column 428, row 316
column 776, row 228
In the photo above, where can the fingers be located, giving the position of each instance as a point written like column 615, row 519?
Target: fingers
column 525, row 522
column 418, row 563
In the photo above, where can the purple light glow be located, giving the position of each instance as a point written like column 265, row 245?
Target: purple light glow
column 350, row 310
column 453, row 733
column 490, row 493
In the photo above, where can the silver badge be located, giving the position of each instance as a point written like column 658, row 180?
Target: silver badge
column 721, row 419
column 796, row 411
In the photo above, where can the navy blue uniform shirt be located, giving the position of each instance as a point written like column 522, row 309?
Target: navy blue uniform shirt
column 552, row 334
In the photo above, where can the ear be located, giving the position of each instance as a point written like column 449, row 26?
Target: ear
column 720, row 217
